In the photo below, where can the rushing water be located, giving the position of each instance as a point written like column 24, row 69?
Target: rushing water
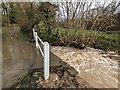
column 93, row 65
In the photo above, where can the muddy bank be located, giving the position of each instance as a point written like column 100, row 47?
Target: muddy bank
column 60, row 77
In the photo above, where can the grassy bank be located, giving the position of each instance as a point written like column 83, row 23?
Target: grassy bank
column 107, row 41
column 83, row 38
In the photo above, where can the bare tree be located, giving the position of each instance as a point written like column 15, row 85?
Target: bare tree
column 75, row 14
column 78, row 16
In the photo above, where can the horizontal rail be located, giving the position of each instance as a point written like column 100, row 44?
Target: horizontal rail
column 41, row 50
column 40, row 40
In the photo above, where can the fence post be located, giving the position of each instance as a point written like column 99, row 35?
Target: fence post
column 36, row 40
column 46, row 60
column 34, row 33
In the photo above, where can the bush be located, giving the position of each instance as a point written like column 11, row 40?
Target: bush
column 107, row 41
column 82, row 38
column 77, row 38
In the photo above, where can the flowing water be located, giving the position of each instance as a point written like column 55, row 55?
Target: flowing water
column 98, row 68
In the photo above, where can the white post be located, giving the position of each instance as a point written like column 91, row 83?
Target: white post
column 34, row 33
column 36, row 40
column 46, row 60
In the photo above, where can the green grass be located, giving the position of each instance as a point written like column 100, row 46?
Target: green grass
column 22, row 35
column 104, row 41
column 109, row 36
column 108, row 41
column 0, row 29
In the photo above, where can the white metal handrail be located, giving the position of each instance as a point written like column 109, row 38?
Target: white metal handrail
column 45, row 53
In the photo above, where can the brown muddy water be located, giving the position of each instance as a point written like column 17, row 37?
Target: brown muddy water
column 96, row 67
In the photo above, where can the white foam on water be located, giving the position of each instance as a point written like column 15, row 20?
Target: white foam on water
column 91, row 62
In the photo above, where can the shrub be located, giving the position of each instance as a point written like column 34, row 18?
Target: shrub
column 107, row 41
column 77, row 38
column 83, row 38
